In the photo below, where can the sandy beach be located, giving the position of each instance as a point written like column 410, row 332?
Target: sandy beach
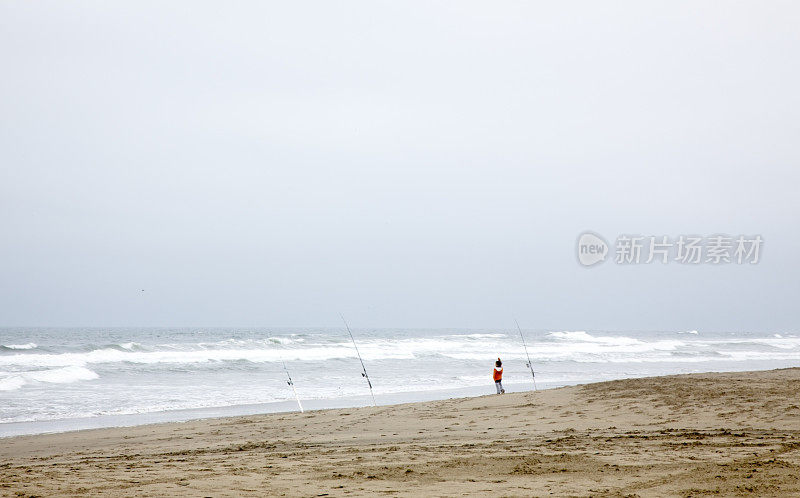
column 687, row 435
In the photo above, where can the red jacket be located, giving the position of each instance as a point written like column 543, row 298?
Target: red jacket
column 498, row 373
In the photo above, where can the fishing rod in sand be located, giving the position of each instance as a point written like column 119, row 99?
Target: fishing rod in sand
column 529, row 364
column 291, row 383
column 363, row 368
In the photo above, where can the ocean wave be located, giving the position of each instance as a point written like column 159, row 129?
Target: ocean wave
column 779, row 342
column 14, row 380
column 692, row 332
column 30, row 345
column 566, row 347
column 285, row 340
column 11, row 383
column 554, row 346
column 478, row 336
column 581, row 336
column 242, row 343
column 110, row 355
column 769, row 342
column 130, row 346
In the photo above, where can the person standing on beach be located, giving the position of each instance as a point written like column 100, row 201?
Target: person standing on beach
column 498, row 376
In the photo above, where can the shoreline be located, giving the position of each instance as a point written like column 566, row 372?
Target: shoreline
column 289, row 405
column 725, row 433
column 110, row 421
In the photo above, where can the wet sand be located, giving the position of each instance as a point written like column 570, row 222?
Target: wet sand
column 689, row 435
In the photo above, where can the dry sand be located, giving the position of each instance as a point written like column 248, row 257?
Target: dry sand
column 687, row 435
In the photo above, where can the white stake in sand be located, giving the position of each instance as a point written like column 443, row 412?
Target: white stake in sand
column 529, row 364
column 291, row 383
column 363, row 368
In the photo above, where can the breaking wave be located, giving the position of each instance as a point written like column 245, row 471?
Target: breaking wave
column 581, row 336
column 30, row 345
column 10, row 381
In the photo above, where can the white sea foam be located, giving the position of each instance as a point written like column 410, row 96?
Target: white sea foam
column 11, row 383
column 581, row 336
column 242, row 343
column 253, row 351
column 558, row 346
column 780, row 342
column 286, row 340
column 185, row 357
column 478, row 336
column 13, row 380
column 62, row 375
column 771, row 342
column 130, row 346
column 30, row 345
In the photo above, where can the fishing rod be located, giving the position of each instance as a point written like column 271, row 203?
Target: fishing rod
column 291, row 383
column 363, row 368
column 529, row 364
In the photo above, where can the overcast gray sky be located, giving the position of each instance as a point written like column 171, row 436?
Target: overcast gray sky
column 425, row 164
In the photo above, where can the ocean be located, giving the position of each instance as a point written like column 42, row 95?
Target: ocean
column 55, row 379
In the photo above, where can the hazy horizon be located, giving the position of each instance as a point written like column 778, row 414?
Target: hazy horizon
column 272, row 165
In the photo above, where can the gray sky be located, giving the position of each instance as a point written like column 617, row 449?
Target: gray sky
column 421, row 164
